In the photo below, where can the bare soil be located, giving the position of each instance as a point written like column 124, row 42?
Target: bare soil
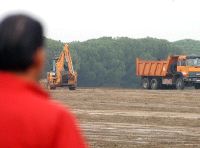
column 126, row 118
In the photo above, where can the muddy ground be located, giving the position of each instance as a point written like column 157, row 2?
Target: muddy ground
column 126, row 118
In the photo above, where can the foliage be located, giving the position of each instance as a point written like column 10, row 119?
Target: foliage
column 189, row 47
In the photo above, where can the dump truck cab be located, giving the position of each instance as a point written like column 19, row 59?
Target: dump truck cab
column 189, row 66
column 177, row 70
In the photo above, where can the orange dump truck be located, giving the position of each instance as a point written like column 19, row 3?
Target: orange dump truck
column 177, row 71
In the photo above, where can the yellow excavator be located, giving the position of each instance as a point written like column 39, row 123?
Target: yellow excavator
column 63, row 73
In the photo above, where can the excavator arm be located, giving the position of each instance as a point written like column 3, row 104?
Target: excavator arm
column 59, row 64
column 68, row 59
column 65, row 56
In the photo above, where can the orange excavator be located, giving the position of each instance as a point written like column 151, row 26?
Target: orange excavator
column 63, row 73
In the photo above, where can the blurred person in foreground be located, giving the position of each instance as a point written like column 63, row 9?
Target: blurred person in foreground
column 28, row 117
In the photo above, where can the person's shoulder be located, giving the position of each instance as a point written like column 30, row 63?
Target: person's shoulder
column 57, row 120
column 50, row 105
column 43, row 107
column 63, row 113
column 58, row 107
column 50, row 112
column 59, row 114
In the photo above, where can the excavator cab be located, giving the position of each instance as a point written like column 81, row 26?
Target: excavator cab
column 62, row 73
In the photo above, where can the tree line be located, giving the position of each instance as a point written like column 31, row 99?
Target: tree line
column 110, row 61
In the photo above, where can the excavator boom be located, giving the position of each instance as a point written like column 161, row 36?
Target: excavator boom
column 68, row 59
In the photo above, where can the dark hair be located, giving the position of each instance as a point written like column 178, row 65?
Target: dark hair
column 20, row 37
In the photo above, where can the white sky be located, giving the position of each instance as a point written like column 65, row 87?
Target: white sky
column 72, row 20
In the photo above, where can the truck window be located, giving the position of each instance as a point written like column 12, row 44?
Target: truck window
column 193, row 62
column 181, row 63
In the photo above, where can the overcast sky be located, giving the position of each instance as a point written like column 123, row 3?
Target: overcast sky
column 72, row 20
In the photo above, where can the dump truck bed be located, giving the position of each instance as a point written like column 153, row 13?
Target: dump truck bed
column 152, row 68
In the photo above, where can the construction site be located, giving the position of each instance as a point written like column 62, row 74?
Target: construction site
column 126, row 118
column 100, row 74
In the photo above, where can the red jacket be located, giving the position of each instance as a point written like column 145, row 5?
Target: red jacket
column 28, row 119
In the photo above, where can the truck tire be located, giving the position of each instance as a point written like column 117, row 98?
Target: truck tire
column 197, row 86
column 72, row 87
column 145, row 83
column 180, row 85
column 50, row 87
column 155, row 84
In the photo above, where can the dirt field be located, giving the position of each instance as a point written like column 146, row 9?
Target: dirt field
column 126, row 118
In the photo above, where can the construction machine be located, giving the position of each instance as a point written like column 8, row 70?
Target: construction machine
column 63, row 73
column 177, row 71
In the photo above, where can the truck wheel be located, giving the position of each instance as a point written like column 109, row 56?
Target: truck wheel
column 50, row 87
column 72, row 87
column 145, row 83
column 154, row 84
column 180, row 84
column 197, row 86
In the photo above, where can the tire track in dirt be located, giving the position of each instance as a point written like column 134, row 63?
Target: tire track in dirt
column 136, row 133
column 137, row 114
